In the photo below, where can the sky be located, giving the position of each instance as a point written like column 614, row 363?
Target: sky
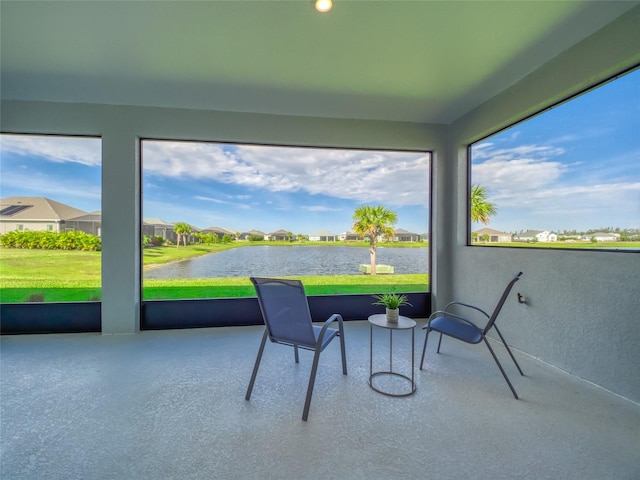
column 576, row 166
column 301, row 190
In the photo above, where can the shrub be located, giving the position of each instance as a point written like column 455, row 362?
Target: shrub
column 157, row 241
column 50, row 240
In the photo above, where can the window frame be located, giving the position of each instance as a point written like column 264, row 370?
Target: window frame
column 429, row 185
column 575, row 95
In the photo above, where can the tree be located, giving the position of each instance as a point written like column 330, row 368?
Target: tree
column 182, row 229
column 374, row 222
column 481, row 208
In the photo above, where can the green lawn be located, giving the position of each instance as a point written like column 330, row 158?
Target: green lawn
column 66, row 276
column 564, row 245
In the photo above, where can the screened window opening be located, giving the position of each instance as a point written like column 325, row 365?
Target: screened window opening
column 215, row 214
column 50, row 219
column 568, row 177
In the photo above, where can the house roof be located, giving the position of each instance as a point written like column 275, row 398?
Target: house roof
column 89, row 217
column 157, row 221
column 490, row 231
column 37, row 208
column 218, row 229
column 279, row 232
column 402, row 231
column 322, row 233
column 363, row 60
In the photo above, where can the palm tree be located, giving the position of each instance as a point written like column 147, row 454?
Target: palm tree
column 374, row 222
column 182, row 229
column 481, row 209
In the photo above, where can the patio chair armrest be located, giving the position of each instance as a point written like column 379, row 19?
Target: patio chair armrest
column 446, row 309
column 325, row 325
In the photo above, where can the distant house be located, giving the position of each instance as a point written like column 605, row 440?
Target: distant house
column 219, row 232
column 89, row 223
column 602, row 237
column 536, row 236
column 322, row 236
column 279, row 235
column 156, row 227
column 349, row 237
column 400, row 235
column 492, row 236
column 246, row 235
column 36, row 214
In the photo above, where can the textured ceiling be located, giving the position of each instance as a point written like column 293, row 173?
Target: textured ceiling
column 416, row 61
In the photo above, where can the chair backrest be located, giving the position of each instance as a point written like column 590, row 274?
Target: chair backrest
column 503, row 298
column 285, row 311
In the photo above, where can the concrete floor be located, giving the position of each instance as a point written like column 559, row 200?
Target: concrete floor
column 170, row 405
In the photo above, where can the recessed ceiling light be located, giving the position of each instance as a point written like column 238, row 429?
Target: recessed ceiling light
column 323, row 6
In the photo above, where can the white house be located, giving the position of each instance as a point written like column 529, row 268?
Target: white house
column 322, row 236
column 602, row 237
column 536, row 235
column 36, row 214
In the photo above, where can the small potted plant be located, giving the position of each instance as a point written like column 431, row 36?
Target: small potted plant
column 392, row 302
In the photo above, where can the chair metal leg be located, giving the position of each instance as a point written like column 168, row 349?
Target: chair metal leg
column 312, row 380
column 500, row 367
column 439, row 342
column 343, row 350
column 424, row 349
column 295, row 349
column 508, row 349
column 257, row 364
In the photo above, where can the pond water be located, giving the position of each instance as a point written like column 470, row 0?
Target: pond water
column 289, row 261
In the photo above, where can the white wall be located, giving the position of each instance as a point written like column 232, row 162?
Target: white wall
column 584, row 311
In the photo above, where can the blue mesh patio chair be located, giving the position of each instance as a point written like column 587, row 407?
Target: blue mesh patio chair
column 286, row 315
column 456, row 326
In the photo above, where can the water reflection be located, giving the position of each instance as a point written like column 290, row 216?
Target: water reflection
column 294, row 260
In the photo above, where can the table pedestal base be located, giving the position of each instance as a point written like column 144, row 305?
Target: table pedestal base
column 396, row 374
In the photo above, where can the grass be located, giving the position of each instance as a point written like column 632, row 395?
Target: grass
column 233, row 287
column 564, row 245
column 71, row 276
column 68, row 276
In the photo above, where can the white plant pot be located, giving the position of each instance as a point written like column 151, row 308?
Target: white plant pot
column 392, row 315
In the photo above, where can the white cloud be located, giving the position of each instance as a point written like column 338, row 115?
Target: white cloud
column 365, row 176
column 535, row 183
column 319, row 208
column 486, row 150
column 506, row 176
column 83, row 150
column 214, row 200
